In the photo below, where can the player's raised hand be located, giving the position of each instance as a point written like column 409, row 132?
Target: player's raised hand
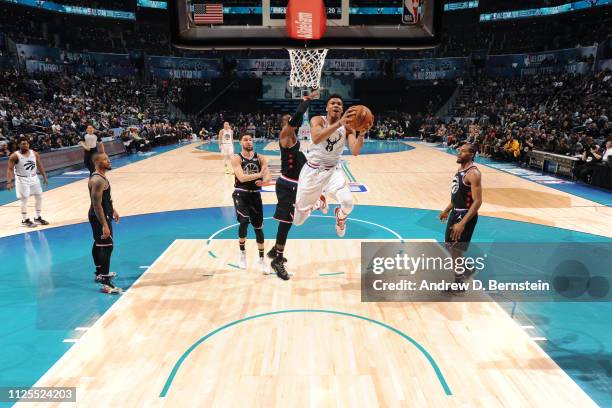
column 313, row 95
column 348, row 117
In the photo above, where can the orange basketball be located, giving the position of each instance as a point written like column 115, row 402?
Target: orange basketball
column 363, row 120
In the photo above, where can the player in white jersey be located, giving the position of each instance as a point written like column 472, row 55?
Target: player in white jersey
column 23, row 166
column 322, row 172
column 226, row 145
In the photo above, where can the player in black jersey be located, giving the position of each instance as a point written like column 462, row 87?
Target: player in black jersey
column 251, row 172
column 101, row 214
column 292, row 161
column 462, row 212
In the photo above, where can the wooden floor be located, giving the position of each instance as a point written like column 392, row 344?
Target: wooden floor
column 188, row 178
column 303, row 358
column 306, row 358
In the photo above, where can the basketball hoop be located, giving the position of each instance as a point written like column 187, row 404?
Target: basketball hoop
column 306, row 67
column 306, row 20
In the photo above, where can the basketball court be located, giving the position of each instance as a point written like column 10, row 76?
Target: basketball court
column 192, row 329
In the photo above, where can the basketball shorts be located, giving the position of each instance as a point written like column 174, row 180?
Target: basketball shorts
column 27, row 186
column 313, row 181
column 454, row 217
column 96, row 229
column 286, row 192
column 249, row 208
column 227, row 149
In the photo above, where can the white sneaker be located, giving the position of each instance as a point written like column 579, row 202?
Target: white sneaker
column 340, row 223
column 265, row 269
column 242, row 260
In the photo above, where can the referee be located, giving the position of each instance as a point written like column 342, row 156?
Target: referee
column 91, row 146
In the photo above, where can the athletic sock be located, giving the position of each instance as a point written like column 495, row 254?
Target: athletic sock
column 279, row 254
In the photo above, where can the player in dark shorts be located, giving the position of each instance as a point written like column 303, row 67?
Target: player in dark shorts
column 462, row 212
column 251, row 172
column 292, row 161
column 101, row 216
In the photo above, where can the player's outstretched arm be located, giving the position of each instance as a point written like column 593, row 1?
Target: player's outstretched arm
column 287, row 137
column 355, row 141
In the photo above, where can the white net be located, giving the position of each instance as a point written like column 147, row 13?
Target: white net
column 306, row 67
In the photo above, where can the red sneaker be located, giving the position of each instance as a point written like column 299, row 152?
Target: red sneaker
column 322, row 204
column 340, row 223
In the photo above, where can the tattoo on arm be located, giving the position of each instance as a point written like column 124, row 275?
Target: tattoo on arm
column 475, row 183
column 97, row 190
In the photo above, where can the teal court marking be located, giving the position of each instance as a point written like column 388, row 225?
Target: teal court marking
column 348, row 173
column 331, row 274
column 233, row 266
column 211, row 253
column 423, row 351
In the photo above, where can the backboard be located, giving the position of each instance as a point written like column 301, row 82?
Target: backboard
column 260, row 24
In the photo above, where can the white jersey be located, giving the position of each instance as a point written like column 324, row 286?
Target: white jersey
column 227, row 137
column 327, row 153
column 25, row 169
column 91, row 141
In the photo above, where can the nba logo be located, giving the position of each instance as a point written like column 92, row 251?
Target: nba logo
column 411, row 13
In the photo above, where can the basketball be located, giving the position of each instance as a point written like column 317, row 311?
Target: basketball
column 364, row 119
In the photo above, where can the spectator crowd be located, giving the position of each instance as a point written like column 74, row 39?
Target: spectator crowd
column 506, row 118
column 53, row 111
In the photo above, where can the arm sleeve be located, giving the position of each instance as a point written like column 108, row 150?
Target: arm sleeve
column 298, row 117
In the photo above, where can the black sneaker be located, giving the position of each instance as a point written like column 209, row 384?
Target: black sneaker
column 272, row 254
column 279, row 268
column 27, row 223
column 109, row 288
column 103, row 278
column 40, row 221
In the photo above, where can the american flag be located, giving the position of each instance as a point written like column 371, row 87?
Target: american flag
column 211, row 13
